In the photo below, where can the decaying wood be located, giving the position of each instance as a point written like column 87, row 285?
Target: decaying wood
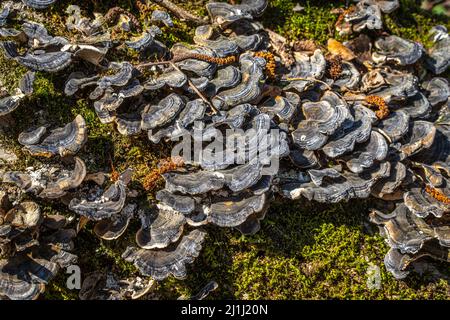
column 180, row 12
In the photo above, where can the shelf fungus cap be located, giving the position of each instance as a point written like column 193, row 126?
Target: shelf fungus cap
column 64, row 141
column 159, row 264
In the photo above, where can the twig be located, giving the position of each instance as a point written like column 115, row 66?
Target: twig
column 193, row 87
column 180, row 12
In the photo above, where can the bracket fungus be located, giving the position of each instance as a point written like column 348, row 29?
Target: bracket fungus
column 352, row 120
column 64, row 141
column 159, row 264
column 32, row 250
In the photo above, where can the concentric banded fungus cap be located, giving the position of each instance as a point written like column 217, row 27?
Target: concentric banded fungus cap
column 406, row 231
column 350, row 186
column 357, row 131
column 173, row 79
column 4, row 13
column 10, row 103
column 387, row 6
column 60, row 187
column 437, row 90
column 32, row 136
column 306, row 67
column 11, row 33
column 225, row 78
column 318, row 176
column 145, row 40
column 180, row 203
column 251, row 42
column 163, row 113
column 199, row 67
column 159, row 264
column 26, row 84
column 9, row 49
column 78, row 81
column 399, row 263
column 283, row 107
column 349, row 77
column 233, row 211
column 16, row 285
column 387, row 186
column 38, row 36
column 418, row 106
column 64, row 141
column 222, row 46
column 48, row 61
column 224, row 14
column 252, row 69
column 194, row 110
column 128, row 124
column 112, row 228
column 303, row 158
column 162, row 16
column 255, row 7
column 243, row 176
column 396, row 125
column 367, row 15
column 398, row 50
column 420, row 136
column 235, row 117
column 322, row 119
column 400, row 86
column 194, row 183
column 438, row 59
column 125, row 71
column 38, row 180
column 375, row 149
